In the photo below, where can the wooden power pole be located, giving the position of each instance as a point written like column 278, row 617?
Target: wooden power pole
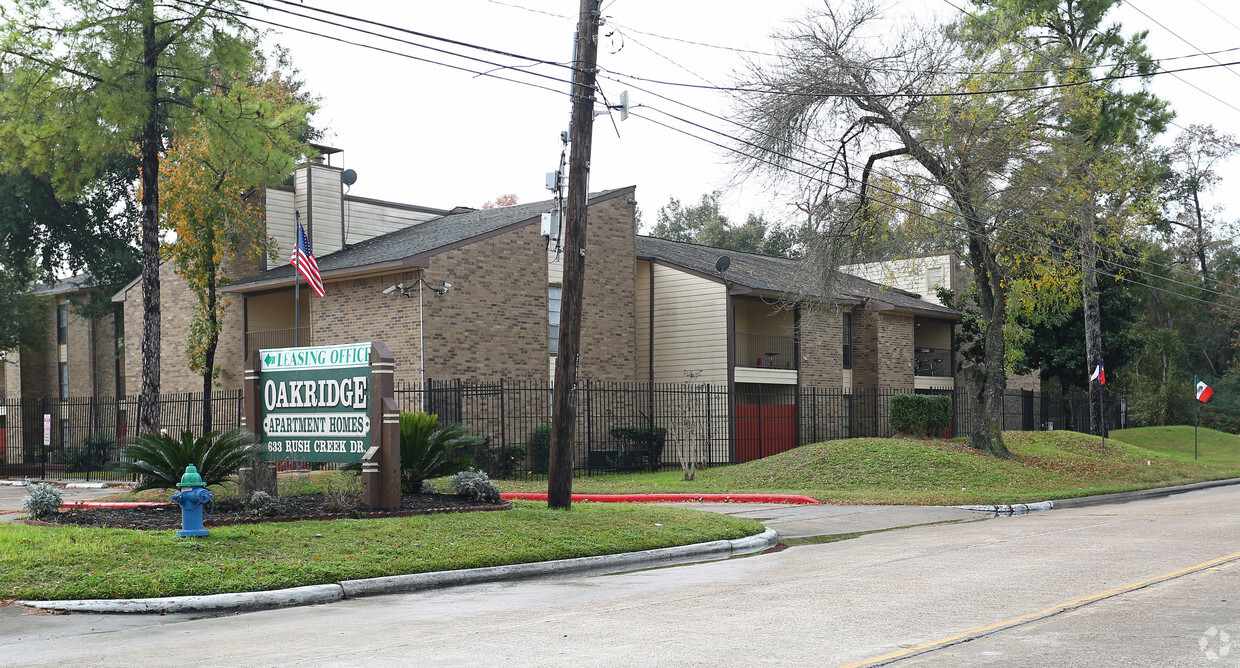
column 564, row 416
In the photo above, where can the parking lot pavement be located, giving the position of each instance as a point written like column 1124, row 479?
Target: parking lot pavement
column 11, row 495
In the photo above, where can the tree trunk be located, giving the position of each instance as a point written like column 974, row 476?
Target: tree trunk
column 1201, row 240
column 208, row 357
column 148, row 402
column 987, row 381
column 1093, row 316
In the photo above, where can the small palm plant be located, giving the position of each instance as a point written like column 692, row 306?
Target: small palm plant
column 161, row 459
column 426, row 449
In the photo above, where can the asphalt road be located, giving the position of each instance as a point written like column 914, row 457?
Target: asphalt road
column 1145, row 583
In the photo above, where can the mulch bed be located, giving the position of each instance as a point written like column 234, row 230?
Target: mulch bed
column 293, row 508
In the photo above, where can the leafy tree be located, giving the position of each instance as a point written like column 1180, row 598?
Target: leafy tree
column 90, row 79
column 838, row 90
column 704, row 224
column 43, row 235
column 503, row 200
column 211, row 173
column 1092, row 123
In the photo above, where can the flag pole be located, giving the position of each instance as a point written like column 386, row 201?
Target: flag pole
column 1102, row 408
column 1196, row 416
column 296, row 288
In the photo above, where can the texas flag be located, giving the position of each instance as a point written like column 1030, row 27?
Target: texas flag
column 1203, row 391
column 1099, row 374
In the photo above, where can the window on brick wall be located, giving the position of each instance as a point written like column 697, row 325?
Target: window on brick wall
column 62, row 324
column 64, row 379
column 846, row 335
column 554, row 293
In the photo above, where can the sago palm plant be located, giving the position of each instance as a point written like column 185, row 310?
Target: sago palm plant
column 160, row 460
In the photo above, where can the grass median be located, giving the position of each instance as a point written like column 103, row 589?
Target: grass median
column 64, row 562
column 1045, row 466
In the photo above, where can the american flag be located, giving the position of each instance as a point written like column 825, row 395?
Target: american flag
column 303, row 259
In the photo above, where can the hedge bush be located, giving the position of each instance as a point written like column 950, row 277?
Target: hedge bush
column 920, row 414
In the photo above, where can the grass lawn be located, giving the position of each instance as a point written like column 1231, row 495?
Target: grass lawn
column 1047, row 465
column 38, row 562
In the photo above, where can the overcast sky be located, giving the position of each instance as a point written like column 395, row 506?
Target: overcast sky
column 421, row 133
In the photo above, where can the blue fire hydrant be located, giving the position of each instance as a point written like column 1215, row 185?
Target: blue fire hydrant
column 192, row 501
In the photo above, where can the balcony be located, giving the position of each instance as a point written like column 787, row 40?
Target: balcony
column 765, row 351
column 765, row 358
column 933, row 362
column 275, row 338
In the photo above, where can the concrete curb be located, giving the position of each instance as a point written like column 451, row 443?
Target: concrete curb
column 1013, row 509
column 330, row 593
column 1137, row 495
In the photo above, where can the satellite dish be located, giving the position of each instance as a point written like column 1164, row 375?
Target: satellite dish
column 722, row 264
column 349, row 177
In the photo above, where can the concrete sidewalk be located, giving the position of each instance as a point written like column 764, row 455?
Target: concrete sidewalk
column 12, row 493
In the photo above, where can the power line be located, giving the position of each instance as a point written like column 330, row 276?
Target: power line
column 380, row 49
column 910, row 211
column 921, row 94
column 527, row 83
column 897, row 70
column 1176, row 35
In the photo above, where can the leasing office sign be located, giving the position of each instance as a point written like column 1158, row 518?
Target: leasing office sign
column 315, row 403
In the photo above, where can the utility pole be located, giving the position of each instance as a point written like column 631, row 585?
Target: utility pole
column 564, row 416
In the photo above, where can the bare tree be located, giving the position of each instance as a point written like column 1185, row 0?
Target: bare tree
column 849, row 83
column 1195, row 156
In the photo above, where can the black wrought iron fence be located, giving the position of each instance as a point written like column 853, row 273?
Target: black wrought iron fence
column 85, row 437
column 620, row 426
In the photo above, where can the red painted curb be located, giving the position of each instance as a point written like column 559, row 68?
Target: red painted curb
column 650, row 498
column 529, row 496
column 112, row 504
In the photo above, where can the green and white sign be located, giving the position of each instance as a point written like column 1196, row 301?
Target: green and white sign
column 315, row 403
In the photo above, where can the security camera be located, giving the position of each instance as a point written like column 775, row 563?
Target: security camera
column 389, row 290
column 447, row 287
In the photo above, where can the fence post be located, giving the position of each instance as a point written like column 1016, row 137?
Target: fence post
column 589, row 422
column 503, row 418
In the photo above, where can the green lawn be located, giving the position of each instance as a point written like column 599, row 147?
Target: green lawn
column 1047, row 465
column 39, row 562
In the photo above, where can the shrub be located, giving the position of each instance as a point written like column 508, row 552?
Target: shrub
column 476, row 485
column 540, row 449
column 262, row 504
column 343, row 493
column 42, row 500
column 428, row 487
column 641, row 445
column 426, row 449
column 920, row 415
column 93, row 455
column 161, row 459
column 501, row 462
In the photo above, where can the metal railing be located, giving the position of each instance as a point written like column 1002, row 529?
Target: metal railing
column 932, row 362
column 765, row 351
column 276, row 338
column 88, row 435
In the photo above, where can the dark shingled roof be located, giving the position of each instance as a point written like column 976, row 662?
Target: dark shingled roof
column 420, row 238
column 781, row 276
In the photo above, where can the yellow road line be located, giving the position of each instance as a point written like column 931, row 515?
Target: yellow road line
column 1055, row 609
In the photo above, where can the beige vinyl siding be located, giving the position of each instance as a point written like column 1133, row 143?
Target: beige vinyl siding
column 280, row 225
column 365, row 220
column 555, row 267
column 642, row 319
column 325, row 194
column 301, row 199
column 919, row 275
column 690, row 327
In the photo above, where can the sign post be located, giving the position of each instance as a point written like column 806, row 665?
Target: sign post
column 329, row 404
